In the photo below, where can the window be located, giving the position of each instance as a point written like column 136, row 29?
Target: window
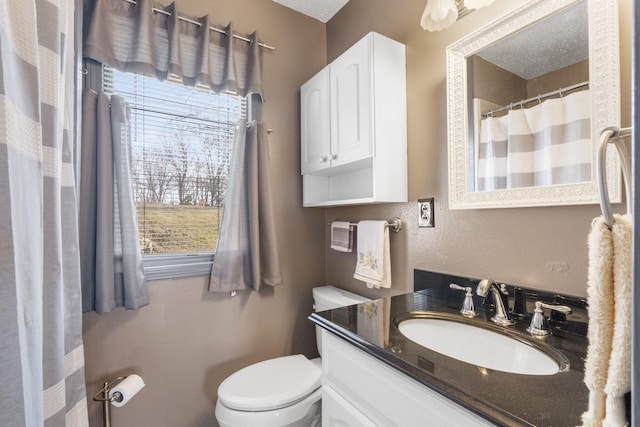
column 181, row 142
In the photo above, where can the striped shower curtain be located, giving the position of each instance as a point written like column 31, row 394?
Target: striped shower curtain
column 42, row 360
column 547, row 144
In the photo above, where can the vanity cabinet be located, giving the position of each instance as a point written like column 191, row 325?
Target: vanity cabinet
column 353, row 127
column 359, row 390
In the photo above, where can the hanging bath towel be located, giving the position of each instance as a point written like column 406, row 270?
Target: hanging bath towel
column 619, row 374
column 374, row 261
column 608, row 364
column 600, row 333
column 341, row 236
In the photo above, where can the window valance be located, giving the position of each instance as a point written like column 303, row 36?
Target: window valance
column 136, row 38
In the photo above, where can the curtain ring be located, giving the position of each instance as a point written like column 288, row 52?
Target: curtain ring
column 560, row 92
column 539, row 100
column 84, row 71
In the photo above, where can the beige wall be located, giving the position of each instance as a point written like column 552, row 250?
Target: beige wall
column 188, row 340
column 542, row 247
column 497, row 85
column 567, row 76
column 501, row 87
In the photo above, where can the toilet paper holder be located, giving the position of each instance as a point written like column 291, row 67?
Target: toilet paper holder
column 107, row 395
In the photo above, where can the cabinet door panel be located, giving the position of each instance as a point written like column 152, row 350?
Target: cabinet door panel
column 387, row 397
column 337, row 412
column 314, row 126
column 351, row 105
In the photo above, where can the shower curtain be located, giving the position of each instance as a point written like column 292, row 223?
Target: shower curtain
column 547, row 144
column 42, row 358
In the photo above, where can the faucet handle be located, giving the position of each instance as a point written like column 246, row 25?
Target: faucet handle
column 519, row 302
column 539, row 324
column 468, row 309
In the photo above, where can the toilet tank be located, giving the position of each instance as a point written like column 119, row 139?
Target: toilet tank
column 330, row 297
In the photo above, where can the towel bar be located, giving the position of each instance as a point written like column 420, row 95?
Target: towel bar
column 612, row 135
column 394, row 224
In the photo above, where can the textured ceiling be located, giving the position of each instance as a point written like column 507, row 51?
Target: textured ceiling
column 551, row 44
column 322, row 10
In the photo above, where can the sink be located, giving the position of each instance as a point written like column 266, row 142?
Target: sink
column 482, row 344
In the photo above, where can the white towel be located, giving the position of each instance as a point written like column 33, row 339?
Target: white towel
column 607, row 373
column 374, row 261
column 619, row 375
column 341, row 236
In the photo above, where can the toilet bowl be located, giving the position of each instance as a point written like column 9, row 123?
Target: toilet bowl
column 285, row 391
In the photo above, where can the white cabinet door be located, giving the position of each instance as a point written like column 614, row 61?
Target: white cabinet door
column 337, row 412
column 384, row 396
column 314, row 98
column 351, row 104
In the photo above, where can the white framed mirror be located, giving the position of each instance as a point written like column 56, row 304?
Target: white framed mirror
column 527, row 98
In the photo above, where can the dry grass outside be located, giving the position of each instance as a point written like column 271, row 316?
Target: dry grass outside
column 167, row 228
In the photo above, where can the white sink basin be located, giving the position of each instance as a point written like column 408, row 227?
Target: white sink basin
column 481, row 346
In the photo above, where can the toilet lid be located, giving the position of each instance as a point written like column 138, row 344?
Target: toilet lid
column 271, row 384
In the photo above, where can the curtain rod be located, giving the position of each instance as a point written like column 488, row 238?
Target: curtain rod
column 217, row 30
column 536, row 98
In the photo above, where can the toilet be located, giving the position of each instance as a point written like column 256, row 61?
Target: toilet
column 285, row 391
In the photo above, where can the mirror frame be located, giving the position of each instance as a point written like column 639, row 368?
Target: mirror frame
column 604, row 84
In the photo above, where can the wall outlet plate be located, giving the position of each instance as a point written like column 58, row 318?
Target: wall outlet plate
column 425, row 213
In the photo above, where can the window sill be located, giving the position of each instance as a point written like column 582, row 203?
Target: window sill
column 174, row 266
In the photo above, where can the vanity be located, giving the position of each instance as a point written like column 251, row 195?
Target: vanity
column 375, row 375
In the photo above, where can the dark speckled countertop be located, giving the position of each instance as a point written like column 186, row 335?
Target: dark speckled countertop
column 503, row 398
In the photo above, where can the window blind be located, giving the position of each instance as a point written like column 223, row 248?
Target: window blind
column 181, row 143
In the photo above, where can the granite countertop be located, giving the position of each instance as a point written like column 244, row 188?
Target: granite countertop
column 503, row 398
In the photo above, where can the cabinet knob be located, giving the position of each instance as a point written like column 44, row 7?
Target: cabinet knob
column 334, row 156
column 323, row 159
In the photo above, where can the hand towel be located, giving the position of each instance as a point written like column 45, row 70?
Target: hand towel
column 608, row 363
column 374, row 261
column 619, row 374
column 600, row 304
column 341, row 236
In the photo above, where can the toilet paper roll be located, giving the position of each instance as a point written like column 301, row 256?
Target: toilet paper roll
column 127, row 388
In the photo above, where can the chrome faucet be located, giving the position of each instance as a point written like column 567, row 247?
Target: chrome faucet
column 468, row 309
column 502, row 315
column 539, row 324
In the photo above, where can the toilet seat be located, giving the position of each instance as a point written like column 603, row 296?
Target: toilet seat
column 271, row 384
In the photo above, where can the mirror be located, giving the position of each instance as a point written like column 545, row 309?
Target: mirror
column 527, row 98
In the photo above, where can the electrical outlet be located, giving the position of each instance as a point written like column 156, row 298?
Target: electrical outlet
column 425, row 213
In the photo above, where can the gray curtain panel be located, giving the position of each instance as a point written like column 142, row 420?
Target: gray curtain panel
column 42, row 357
column 111, row 261
column 247, row 255
column 135, row 38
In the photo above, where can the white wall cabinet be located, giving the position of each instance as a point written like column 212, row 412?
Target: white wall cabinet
column 354, row 127
column 359, row 390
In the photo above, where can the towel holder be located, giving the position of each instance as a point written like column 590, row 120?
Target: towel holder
column 614, row 136
column 394, row 224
